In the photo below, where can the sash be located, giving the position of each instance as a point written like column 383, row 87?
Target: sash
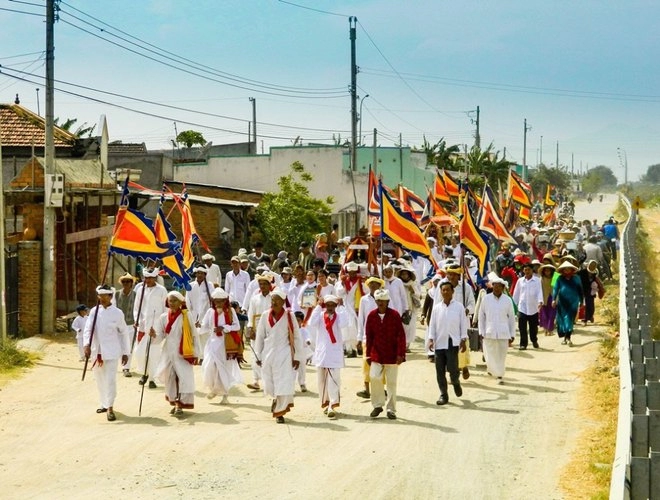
column 272, row 319
column 329, row 323
column 228, row 321
column 186, row 346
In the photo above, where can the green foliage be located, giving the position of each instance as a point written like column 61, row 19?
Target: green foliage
column 292, row 215
column 11, row 357
column 190, row 138
column 83, row 131
column 439, row 154
column 484, row 165
column 652, row 175
column 598, row 179
column 543, row 175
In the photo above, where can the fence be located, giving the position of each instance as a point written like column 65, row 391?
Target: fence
column 636, row 469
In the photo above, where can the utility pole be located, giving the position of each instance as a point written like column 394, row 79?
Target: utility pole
column 557, row 154
column 352, row 22
column 254, row 124
column 375, row 167
column 48, row 285
column 526, row 129
column 3, row 306
column 572, row 164
column 38, row 106
column 477, row 138
column 400, row 158
column 541, row 152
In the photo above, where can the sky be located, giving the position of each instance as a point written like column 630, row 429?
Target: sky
column 584, row 74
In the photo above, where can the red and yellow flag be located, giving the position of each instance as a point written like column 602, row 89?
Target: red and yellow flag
column 472, row 238
column 440, row 194
column 548, row 201
column 451, row 186
column 401, row 227
column 489, row 220
column 518, row 190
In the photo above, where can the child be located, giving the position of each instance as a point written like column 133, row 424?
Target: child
column 309, row 351
column 78, row 325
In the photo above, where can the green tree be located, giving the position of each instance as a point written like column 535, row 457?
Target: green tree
column 190, row 138
column 292, row 215
column 543, row 175
column 652, row 175
column 439, row 154
column 83, row 131
column 599, row 178
column 484, row 166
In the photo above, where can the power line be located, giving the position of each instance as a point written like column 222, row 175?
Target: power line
column 162, row 53
column 153, row 115
column 22, row 12
column 313, row 9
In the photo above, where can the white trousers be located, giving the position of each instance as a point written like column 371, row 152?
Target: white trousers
column 106, row 382
column 329, row 382
column 376, row 373
column 495, row 353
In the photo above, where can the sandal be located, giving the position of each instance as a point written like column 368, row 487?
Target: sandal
column 111, row 416
column 101, row 410
column 178, row 412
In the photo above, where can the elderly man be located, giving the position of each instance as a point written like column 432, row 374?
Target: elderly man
column 181, row 351
column 447, row 333
column 213, row 273
column 220, row 370
column 106, row 341
column 259, row 304
column 279, row 351
column 153, row 305
column 198, row 299
column 497, row 327
column 528, row 296
column 125, row 301
column 386, row 350
column 328, row 352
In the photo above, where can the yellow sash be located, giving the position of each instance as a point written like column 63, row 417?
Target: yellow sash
column 187, row 343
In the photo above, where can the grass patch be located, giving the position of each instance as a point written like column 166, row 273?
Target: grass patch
column 12, row 359
column 589, row 471
column 646, row 247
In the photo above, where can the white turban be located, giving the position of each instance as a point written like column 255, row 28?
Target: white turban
column 278, row 292
column 176, row 295
column 219, row 293
column 150, row 273
column 104, row 290
column 381, row 294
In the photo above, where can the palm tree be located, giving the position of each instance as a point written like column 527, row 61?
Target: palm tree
column 439, row 154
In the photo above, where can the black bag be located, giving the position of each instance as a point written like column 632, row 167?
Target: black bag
column 406, row 317
column 473, row 339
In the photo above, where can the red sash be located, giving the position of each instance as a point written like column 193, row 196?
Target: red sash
column 228, row 321
column 349, row 283
column 171, row 318
column 272, row 319
column 329, row 323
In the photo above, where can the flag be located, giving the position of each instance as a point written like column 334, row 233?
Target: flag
column 518, row 190
column 413, row 201
column 472, row 238
column 489, row 220
column 549, row 202
column 401, row 227
column 439, row 192
column 133, row 234
column 171, row 264
column 525, row 213
column 189, row 234
column 550, row 217
column 451, row 186
column 373, row 205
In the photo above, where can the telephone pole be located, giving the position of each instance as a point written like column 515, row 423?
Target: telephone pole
column 477, row 138
column 254, row 124
column 48, row 285
column 352, row 22
column 526, row 129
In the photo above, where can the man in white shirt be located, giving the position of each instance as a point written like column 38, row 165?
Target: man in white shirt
column 259, row 304
column 528, row 296
column 394, row 285
column 213, row 273
column 447, row 333
column 497, row 327
column 236, row 281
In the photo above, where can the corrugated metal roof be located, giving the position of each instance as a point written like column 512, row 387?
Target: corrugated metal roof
column 81, row 172
column 200, row 199
column 21, row 127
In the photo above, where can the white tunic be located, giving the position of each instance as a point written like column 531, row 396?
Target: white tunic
column 214, row 275
column 274, row 349
column 448, row 321
column 171, row 359
column 218, row 372
column 398, row 299
column 367, row 304
column 258, row 305
column 497, row 319
column 153, row 305
column 326, row 353
column 528, row 294
column 110, row 339
column 198, row 299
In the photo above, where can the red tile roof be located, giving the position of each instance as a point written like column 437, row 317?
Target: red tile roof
column 21, row 127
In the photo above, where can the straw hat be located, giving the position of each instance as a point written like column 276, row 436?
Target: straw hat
column 566, row 265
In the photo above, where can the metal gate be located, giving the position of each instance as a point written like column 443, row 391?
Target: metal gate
column 11, row 284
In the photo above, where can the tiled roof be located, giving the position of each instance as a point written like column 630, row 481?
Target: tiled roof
column 132, row 148
column 21, row 127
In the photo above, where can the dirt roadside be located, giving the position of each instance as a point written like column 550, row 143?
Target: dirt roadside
column 495, row 442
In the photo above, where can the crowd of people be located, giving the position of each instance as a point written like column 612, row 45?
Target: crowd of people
column 331, row 303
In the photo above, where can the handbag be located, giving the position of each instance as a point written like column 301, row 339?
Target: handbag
column 406, row 317
column 581, row 312
column 233, row 345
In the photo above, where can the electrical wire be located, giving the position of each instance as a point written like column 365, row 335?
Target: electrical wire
column 162, row 53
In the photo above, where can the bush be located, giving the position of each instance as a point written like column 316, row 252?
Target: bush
column 11, row 357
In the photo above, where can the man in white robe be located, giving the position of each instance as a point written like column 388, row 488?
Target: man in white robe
column 279, row 350
column 106, row 344
column 394, row 285
column 351, row 289
column 213, row 273
column 153, row 305
column 259, row 304
column 176, row 330
column 198, row 299
column 497, row 327
column 220, row 372
column 328, row 351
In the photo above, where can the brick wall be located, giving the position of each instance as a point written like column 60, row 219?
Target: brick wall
column 29, row 293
